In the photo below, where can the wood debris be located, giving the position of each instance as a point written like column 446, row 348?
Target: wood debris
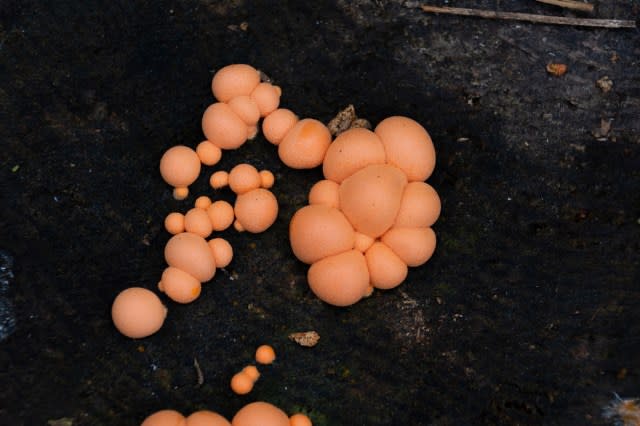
column 605, row 84
column 532, row 17
column 305, row 338
column 570, row 4
column 345, row 120
column 557, row 69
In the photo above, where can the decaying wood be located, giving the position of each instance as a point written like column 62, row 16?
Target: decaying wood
column 529, row 17
column 570, row 4
column 305, row 338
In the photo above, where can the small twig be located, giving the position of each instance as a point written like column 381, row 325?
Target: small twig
column 570, row 4
column 198, row 372
column 542, row 19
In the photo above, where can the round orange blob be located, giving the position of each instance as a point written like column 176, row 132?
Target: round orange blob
column 363, row 242
column 265, row 354
column 407, row 146
column 221, row 215
column 137, row 312
column 241, row 383
column 246, row 109
column 317, row 231
column 191, row 253
column 340, row 280
column 180, row 166
column 197, row 222
column 267, row 97
column 267, row 179
column 277, row 124
column 370, row 198
column 420, row 206
column 252, row 371
column 234, row 80
column 243, row 178
column 222, row 252
column 351, row 151
column 174, row 223
column 219, row 179
column 300, row 420
column 305, row 144
column 413, row 245
column 260, row 414
column 180, row 193
column 179, row 286
column 208, row 153
column 222, row 127
column 325, row 192
column 202, row 202
column 256, row 210
column 165, row 418
column 206, row 418
column 386, row 269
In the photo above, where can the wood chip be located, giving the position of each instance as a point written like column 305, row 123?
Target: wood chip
column 605, row 84
column 557, row 69
column 305, row 338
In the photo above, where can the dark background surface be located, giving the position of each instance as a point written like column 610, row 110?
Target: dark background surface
column 527, row 313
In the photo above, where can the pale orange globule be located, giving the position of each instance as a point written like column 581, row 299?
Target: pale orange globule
column 174, row 223
column 138, row 312
column 267, row 98
column 221, row 215
column 260, row 414
column 300, row 419
column 165, row 418
column 265, row 354
column 234, row 80
column 370, row 198
column 222, row 252
column 276, row 125
column 419, row 207
column 408, row 146
column 208, row 153
column 179, row 285
column 206, row 418
column 246, row 109
column 305, row 144
column 180, row 166
column 191, row 253
column 223, row 127
column 197, row 221
column 317, row 231
column 340, row 280
column 325, row 192
column 351, row 151
column 256, row 210
column 386, row 269
column 243, row 178
column 413, row 245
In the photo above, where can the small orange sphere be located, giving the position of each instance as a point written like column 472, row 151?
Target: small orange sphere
column 138, row 312
column 180, row 193
column 202, row 202
column 221, row 215
column 174, row 223
column 267, row 179
column 164, row 418
column 208, row 153
column 267, row 97
column 305, row 145
column 197, row 222
column 206, row 418
column 179, row 285
column 241, row 383
column 219, row 179
column 256, row 210
column 246, row 109
column 222, row 252
column 234, row 80
column 180, row 166
column 243, row 178
column 277, row 124
column 252, row 371
column 300, row 420
column 265, row 354
column 222, row 127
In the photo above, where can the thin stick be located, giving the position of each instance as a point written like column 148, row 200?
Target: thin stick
column 198, row 372
column 570, row 4
column 543, row 19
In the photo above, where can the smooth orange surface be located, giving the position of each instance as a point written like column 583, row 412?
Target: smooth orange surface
column 317, row 231
column 260, row 414
column 305, row 144
column 191, row 253
column 419, row 207
column 276, row 125
column 408, row 146
column 174, row 223
column 325, row 192
column 165, row 418
column 222, row 252
column 256, row 210
column 137, row 312
column 245, row 108
column 242, row 383
column 265, row 354
column 351, row 151
column 197, row 221
column 386, row 269
column 206, row 418
column 179, row 285
column 219, row 179
column 221, row 215
column 234, row 80
column 222, row 127
column 267, row 97
column 243, row 178
column 340, row 280
column 180, row 166
column 413, row 245
column 300, row 420
column 208, row 153
column 370, row 198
